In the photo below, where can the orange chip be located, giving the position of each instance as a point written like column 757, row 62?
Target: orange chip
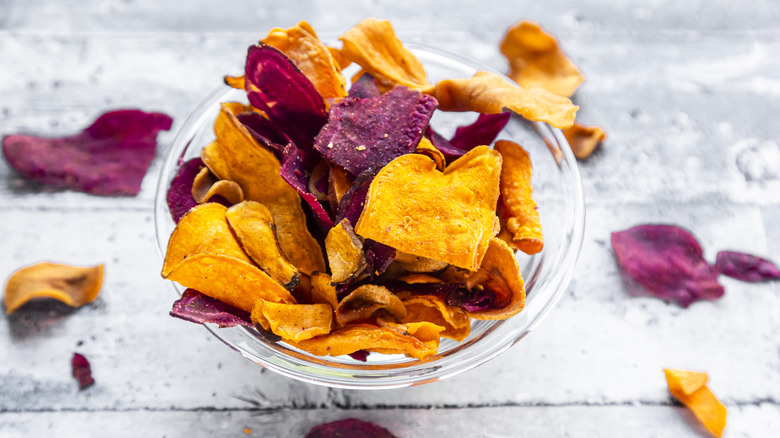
column 72, row 285
column 365, row 301
column 432, row 308
column 501, row 274
column 294, row 322
column 229, row 280
column 372, row 338
column 313, row 59
column 322, row 289
column 235, row 81
column 425, row 147
column 345, row 252
column 517, row 202
column 535, row 60
column 372, row 44
column 690, row 387
column 584, row 139
column 203, row 230
column 253, row 226
column 206, row 185
column 338, row 184
column 446, row 216
column 237, row 156
column 413, row 263
column 419, row 278
column 489, row 93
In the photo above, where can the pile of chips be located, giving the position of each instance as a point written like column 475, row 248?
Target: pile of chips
column 337, row 219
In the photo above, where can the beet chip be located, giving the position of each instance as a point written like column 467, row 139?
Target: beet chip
column 746, row 267
column 364, row 87
column 668, row 261
column 480, row 133
column 196, row 307
column 294, row 173
column 180, row 199
column 109, row 158
column 365, row 134
column 81, row 370
column 349, row 428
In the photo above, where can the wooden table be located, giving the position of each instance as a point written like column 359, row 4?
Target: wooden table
column 688, row 92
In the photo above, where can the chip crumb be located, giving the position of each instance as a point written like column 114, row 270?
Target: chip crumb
column 330, row 145
column 385, row 135
column 361, row 148
column 248, row 431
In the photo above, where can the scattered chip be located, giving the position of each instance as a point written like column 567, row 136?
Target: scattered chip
column 535, row 60
column 196, row 307
column 349, row 428
column 745, row 267
column 81, row 370
column 295, row 322
column 372, row 44
column 499, row 274
column 489, row 93
column 668, row 262
column 446, row 216
column 72, row 285
column 584, row 139
column 109, row 158
column 365, row 301
column 518, row 205
column 206, row 186
column 345, row 252
column 690, row 387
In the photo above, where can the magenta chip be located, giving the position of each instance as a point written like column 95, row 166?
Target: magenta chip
column 480, row 133
column 196, row 307
column 349, row 428
column 746, row 267
column 81, row 370
column 295, row 174
column 179, row 196
column 668, row 262
column 109, row 158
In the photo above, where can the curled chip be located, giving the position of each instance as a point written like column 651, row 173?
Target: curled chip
column 81, row 370
column 301, row 45
column 294, row 172
column 179, row 194
column 203, row 230
column 365, row 301
column 235, row 82
column 369, row 337
column 363, row 87
column 349, row 428
column 690, row 387
column 205, row 186
column 323, row 291
column 446, row 216
column 499, row 274
column 413, row 263
column 432, row 308
column 339, row 182
column 237, row 156
column 489, row 93
column 745, row 267
column 72, row 285
column 584, row 139
column 535, row 60
column 254, row 227
column 345, row 252
column 196, row 307
column 318, row 181
column 239, row 283
column 372, row 44
column 480, row 133
column 425, row 147
column 365, row 134
column 109, row 158
column 294, row 322
column 518, row 206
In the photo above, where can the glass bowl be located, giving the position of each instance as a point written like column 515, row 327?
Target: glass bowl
column 557, row 190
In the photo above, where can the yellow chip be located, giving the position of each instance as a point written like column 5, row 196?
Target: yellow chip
column 535, row 60
column 345, row 252
column 235, row 82
column 445, row 216
column 372, row 338
column 501, row 274
column 293, row 322
column 237, row 156
column 322, row 289
column 313, row 59
column 206, row 186
column 584, row 139
column 518, row 205
column 489, row 93
column 372, row 44
column 74, row 286
column 433, row 309
column 365, row 301
column 229, row 280
column 690, row 387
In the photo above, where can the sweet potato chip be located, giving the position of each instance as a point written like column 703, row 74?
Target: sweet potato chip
column 690, row 387
column 372, row 44
column 264, row 131
column 354, row 200
column 237, row 156
column 489, row 93
column 339, row 181
column 82, row 371
column 238, row 283
column 294, row 172
column 313, row 59
column 480, row 133
column 235, row 81
column 413, row 263
column 364, row 87
column 499, row 274
column 179, row 194
column 199, row 308
column 294, row 322
column 322, row 289
column 584, row 139
column 254, row 227
column 203, row 230
column 345, row 252
column 369, row 337
column 109, row 158
column 535, row 60
column 362, row 135
column 431, row 308
column 365, row 301
column 318, row 181
column 446, row 216
column 518, row 205
column 72, row 285
column 746, row 267
column 205, row 186
column 378, row 255
column 425, row 147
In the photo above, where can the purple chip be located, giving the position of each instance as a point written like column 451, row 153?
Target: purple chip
column 668, row 262
column 109, row 158
column 480, row 133
column 360, row 355
column 450, row 152
column 474, row 300
column 81, row 370
column 179, row 195
column 264, row 132
column 379, row 256
column 364, row 87
column 442, row 289
column 353, row 201
column 746, row 267
column 196, row 307
column 294, row 173
column 362, row 135
column 349, row 428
